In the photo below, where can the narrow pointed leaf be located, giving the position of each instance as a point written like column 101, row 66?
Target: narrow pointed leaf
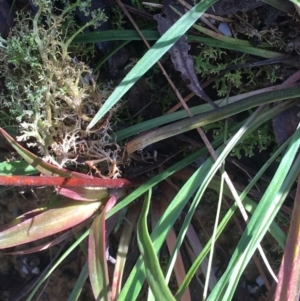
column 154, row 273
column 203, row 119
column 97, row 260
column 260, row 221
column 167, row 40
column 77, row 289
column 64, row 216
column 123, row 249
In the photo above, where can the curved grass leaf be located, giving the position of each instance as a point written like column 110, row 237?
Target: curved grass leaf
column 152, row 56
column 264, row 53
column 154, row 273
column 135, row 281
column 209, row 117
column 260, row 221
column 203, row 175
column 57, row 263
column 159, row 234
column 76, row 291
column 97, row 261
column 115, row 35
column 123, row 249
column 175, row 116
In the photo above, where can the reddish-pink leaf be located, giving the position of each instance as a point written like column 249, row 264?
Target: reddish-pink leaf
column 51, row 243
column 97, row 260
column 54, row 220
column 22, row 218
column 44, row 246
column 67, row 178
column 84, row 193
column 87, row 181
column 289, row 274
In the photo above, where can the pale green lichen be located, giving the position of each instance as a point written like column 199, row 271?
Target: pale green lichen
column 211, row 61
column 259, row 140
column 50, row 95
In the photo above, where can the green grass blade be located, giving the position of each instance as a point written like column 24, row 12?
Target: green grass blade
column 268, row 54
column 250, row 206
column 57, row 263
column 161, row 120
column 154, row 273
column 153, row 35
column 260, row 221
column 135, row 281
column 153, row 55
column 209, row 117
column 76, row 291
column 116, row 35
column 108, row 56
column 123, row 249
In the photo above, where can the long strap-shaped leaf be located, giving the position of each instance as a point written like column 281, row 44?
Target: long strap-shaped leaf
column 171, row 36
column 154, row 274
column 54, row 220
column 199, row 120
column 62, row 181
column 260, row 222
column 97, row 257
column 67, row 178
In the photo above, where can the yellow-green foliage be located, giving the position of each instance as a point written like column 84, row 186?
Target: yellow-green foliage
column 211, row 61
column 258, row 140
column 50, row 93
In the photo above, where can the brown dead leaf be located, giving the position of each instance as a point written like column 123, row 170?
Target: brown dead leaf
column 285, row 124
column 182, row 61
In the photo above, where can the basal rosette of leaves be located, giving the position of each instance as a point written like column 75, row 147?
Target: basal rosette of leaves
column 50, row 94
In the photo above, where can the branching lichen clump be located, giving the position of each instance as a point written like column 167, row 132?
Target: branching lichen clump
column 51, row 95
column 211, row 61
